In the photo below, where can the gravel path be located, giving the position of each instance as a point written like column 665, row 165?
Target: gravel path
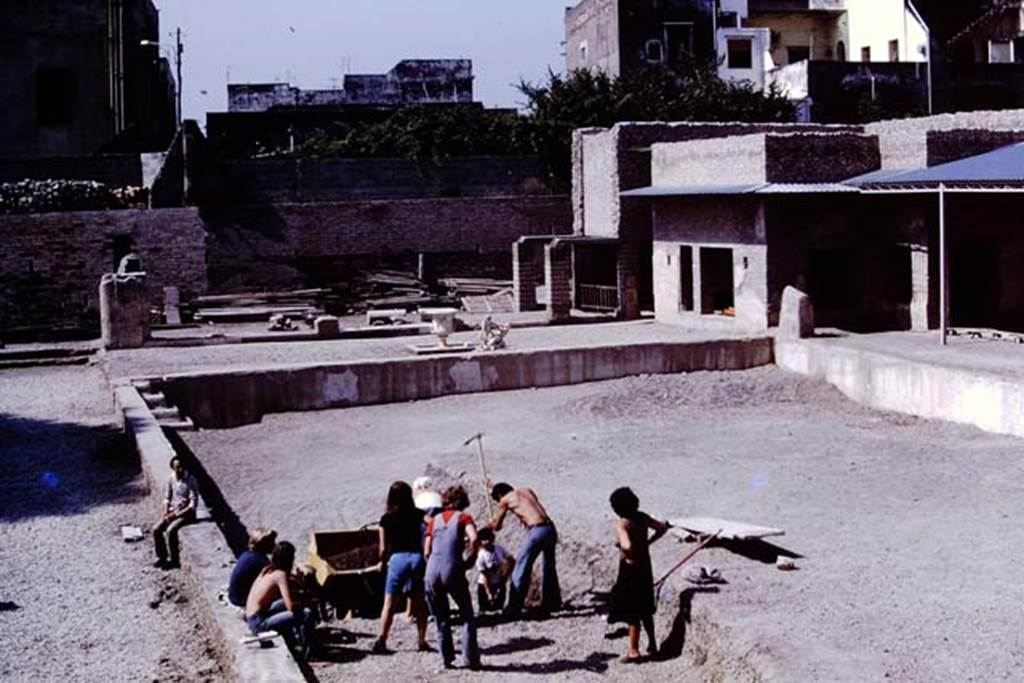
column 903, row 525
column 76, row 602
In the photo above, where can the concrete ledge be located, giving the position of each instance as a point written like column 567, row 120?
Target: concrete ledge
column 206, row 557
column 972, row 397
column 231, row 399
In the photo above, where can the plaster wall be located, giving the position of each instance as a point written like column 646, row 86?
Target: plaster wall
column 737, row 161
column 988, row 401
column 819, row 32
column 244, row 397
column 600, row 184
column 700, row 223
column 592, row 36
column 873, row 23
column 903, row 142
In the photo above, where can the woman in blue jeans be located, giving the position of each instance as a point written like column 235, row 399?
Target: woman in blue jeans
column 447, row 561
column 401, row 547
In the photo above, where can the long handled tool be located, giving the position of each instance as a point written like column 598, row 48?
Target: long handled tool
column 661, row 582
column 479, row 438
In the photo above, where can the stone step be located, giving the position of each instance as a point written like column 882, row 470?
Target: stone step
column 183, row 424
column 144, row 386
column 155, row 399
column 166, row 413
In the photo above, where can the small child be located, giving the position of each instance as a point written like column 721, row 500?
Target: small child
column 632, row 600
column 494, row 564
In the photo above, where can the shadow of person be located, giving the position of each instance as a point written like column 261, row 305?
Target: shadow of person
column 672, row 645
column 518, row 644
column 595, row 662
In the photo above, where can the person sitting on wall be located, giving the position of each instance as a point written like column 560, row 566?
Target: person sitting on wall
column 249, row 565
column 181, row 500
column 541, row 538
column 270, row 605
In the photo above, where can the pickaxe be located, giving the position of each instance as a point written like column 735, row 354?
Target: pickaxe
column 479, row 438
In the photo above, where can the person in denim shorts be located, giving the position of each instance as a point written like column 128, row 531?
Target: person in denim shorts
column 401, row 548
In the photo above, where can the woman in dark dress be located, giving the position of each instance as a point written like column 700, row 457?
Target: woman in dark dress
column 633, row 600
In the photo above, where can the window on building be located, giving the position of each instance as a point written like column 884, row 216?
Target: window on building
column 678, row 41
column 841, row 51
column 583, row 52
column 894, row 50
column 717, row 290
column 653, row 51
column 55, row 97
column 865, row 54
column 741, row 53
column 685, row 278
column 1000, row 52
column 797, row 53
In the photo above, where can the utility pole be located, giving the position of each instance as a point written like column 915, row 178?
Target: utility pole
column 179, row 50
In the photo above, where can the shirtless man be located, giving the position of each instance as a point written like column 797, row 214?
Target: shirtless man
column 270, row 607
column 541, row 537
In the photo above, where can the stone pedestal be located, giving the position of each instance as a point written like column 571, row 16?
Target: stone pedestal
column 172, row 306
column 124, row 310
column 796, row 319
column 327, row 327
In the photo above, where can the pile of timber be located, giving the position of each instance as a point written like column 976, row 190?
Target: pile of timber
column 260, row 306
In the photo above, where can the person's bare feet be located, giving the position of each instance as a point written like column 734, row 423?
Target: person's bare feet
column 631, row 658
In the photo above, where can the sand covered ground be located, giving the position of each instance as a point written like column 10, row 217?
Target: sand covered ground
column 76, row 602
column 906, row 528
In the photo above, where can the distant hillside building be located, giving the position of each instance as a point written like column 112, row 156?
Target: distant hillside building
column 839, row 60
column 411, row 82
column 76, row 78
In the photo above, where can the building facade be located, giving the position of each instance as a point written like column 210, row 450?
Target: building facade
column 77, row 78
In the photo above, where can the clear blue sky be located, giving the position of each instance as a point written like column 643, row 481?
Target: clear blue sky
column 313, row 43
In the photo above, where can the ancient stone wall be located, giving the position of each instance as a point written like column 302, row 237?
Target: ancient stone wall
column 51, row 264
column 284, row 245
column 116, row 170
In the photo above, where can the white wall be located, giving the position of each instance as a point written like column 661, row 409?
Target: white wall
column 876, row 22
column 761, row 62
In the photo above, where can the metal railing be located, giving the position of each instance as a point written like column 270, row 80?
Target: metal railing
column 597, row 297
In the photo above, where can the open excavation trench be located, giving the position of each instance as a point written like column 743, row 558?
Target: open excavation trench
column 868, row 500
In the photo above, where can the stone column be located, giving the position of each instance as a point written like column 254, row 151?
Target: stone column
column 525, row 275
column 920, row 288
column 124, row 310
column 558, row 271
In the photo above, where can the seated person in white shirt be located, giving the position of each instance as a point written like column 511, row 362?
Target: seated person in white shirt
column 494, row 565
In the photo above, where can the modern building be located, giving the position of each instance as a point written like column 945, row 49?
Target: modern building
column 996, row 37
column 77, row 78
column 274, row 117
column 410, row 82
column 621, row 36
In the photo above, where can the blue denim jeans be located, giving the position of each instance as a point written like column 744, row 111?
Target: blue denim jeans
column 540, row 539
column 295, row 627
column 437, row 599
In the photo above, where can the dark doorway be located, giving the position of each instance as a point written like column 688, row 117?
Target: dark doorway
column 717, row 289
column 974, row 286
column 830, row 278
column 685, row 278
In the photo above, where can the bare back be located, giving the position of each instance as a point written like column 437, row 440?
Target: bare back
column 270, row 585
column 523, row 503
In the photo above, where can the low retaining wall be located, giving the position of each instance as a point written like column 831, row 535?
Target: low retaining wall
column 206, row 557
column 233, row 399
column 959, row 395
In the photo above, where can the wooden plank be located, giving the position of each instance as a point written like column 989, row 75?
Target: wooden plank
column 731, row 530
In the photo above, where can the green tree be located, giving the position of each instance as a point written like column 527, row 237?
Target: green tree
column 583, row 99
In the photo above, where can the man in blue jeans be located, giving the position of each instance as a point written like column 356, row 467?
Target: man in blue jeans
column 541, row 538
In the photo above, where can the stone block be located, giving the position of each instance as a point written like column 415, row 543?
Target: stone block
column 796, row 319
column 327, row 326
column 124, row 310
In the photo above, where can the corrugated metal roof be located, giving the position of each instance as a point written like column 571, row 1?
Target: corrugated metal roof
column 691, row 191
column 1003, row 167
column 761, row 188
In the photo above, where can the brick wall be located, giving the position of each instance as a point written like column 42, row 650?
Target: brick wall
column 295, row 244
column 51, row 264
column 332, row 180
column 947, row 146
column 117, row 170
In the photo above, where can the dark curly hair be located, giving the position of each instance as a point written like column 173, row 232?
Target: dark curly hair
column 624, row 502
column 455, row 498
